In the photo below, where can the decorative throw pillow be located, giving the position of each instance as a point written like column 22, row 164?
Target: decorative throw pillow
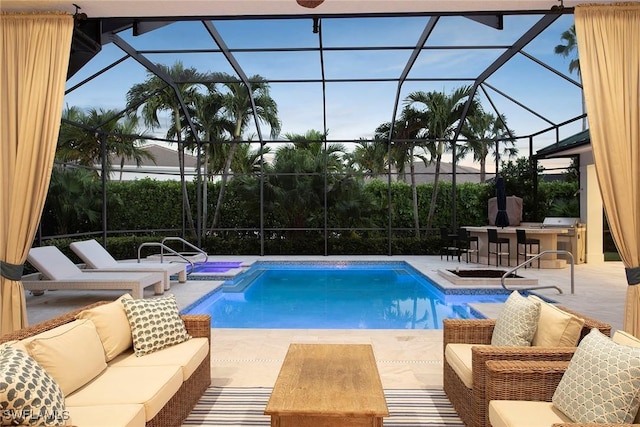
column 155, row 324
column 601, row 383
column 72, row 357
column 517, row 322
column 556, row 328
column 112, row 326
column 28, row 394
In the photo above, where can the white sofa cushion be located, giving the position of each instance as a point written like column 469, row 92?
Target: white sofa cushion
column 519, row 413
column 517, row 322
column 459, row 356
column 73, row 357
column 151, row 386
column 188, row 355
column 556, row 328
column 26, row 388
column 112, row 325
column 124, row 415
column 155, row 324
column 601, row 383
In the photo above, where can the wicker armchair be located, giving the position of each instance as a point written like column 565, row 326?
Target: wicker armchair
column 530, row 381
column 471, row 403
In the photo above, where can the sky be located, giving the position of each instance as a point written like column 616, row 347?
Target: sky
column 354, row 110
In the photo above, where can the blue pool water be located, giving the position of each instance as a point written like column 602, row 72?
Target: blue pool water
column 335, row 296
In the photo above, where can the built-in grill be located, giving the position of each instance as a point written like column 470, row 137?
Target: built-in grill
column 574, row 240
column 560, row 222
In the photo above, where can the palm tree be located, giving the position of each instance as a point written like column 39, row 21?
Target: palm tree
column 155, row 95
column 238, row 108
column 81, row 135
column 440, row 113
column 483, row 131
column 569, row 48
column 369, row 157
column 408, row 130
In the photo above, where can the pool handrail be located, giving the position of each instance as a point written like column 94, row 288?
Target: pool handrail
column 192, row 246
column 162, row 248
column 529, row 261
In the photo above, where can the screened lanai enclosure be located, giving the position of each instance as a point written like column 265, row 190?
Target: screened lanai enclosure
column 321, row 125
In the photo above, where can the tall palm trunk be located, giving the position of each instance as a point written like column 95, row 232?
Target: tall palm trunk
column 414, row 195
column 483, row 169
column 223, row 183
column 436, row 182
column 183, row 181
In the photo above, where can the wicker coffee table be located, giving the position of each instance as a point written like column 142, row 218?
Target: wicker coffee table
column 328, row 385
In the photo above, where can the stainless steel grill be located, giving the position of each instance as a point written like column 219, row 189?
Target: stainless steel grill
column 560, row 222
column 574, row 240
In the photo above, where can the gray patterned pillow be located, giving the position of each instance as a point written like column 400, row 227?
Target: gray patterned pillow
column 516, row 325
column 602, row 382
column 28, row 394
column 155, row 324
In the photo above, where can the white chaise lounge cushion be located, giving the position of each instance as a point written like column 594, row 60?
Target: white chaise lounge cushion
column 93, row 254
column 52, row 263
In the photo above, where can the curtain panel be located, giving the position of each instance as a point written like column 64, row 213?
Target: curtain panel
column 34, row 57
column 608, row 44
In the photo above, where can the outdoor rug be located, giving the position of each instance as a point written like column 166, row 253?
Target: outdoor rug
column 244, row 406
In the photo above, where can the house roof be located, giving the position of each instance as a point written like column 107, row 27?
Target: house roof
column 164, row 157
column 567, row 147
column 426, row 174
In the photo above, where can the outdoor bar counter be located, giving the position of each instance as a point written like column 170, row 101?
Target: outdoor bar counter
column 548, row 241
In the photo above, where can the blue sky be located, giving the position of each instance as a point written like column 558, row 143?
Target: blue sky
column 354, row 110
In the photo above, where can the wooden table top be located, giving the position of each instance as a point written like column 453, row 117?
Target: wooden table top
column 329, row 380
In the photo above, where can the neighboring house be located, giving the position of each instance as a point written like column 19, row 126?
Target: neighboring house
column 165, row 167
column 426, row 174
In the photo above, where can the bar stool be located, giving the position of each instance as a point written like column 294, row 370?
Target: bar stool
column 498, row 250
column 447, row 246
column 464, row 243
column 525, row 247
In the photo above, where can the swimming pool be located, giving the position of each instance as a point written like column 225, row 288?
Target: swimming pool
column 348, row 295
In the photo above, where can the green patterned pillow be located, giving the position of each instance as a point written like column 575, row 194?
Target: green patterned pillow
column 28, row 394
column 155, row 324
column 516, row 325
column 602, row 382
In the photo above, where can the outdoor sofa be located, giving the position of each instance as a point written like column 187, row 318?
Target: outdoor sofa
column 467, row 349
column 105, row 381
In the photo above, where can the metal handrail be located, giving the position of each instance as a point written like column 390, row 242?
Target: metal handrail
column 529, row 261
column 162, row 247
column 184, row 242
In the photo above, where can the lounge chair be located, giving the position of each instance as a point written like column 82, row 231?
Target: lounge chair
column 59, row 272
column 98, row 258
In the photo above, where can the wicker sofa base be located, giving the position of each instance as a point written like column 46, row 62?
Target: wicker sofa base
column 184, row 400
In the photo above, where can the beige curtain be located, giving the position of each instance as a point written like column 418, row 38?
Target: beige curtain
column 609, row 48
column 34, row 56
